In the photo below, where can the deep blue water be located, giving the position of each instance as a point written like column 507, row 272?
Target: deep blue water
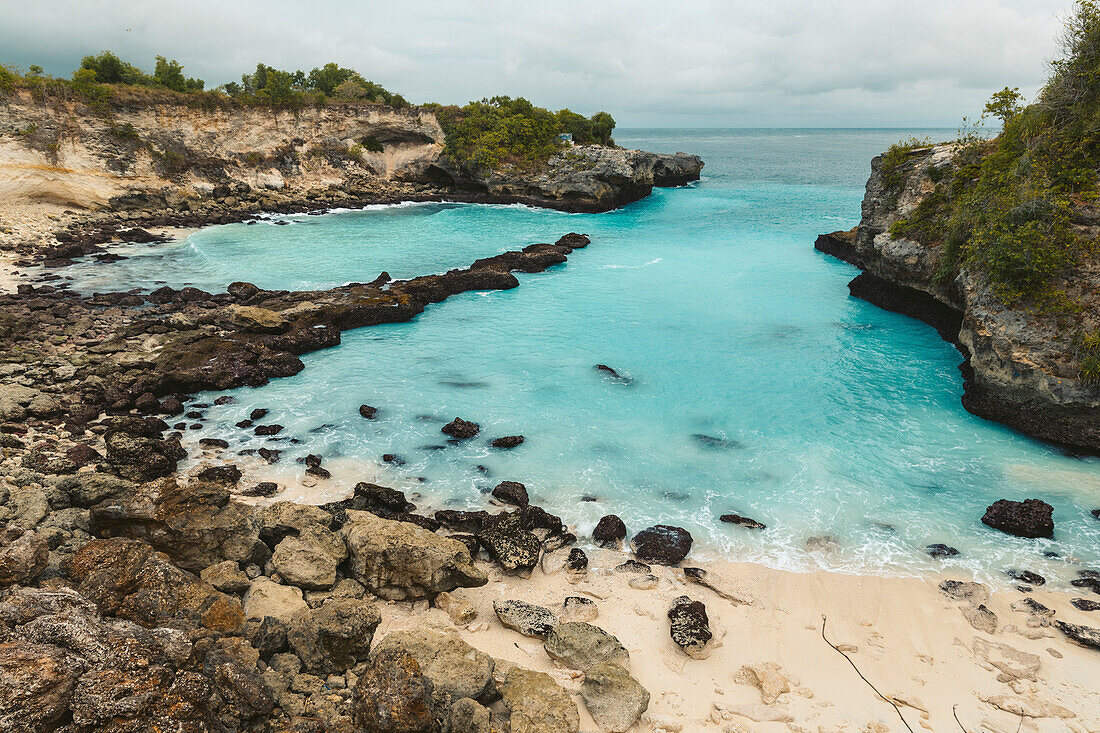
column 832, row 417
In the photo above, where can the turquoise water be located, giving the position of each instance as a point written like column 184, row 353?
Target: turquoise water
column 831, row 417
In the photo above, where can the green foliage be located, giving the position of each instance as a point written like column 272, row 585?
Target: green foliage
column 1007, row 208
column 504, row 131
column 370, row 142
column 110, row 69
column 169, row 74
column 1004, row 104
column 894, row 160
column 7, row 81
column 594, row 130
column 97, row 96
column 125, row 131
column 1089, row 349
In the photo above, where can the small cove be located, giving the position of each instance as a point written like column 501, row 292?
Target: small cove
column 758, row 386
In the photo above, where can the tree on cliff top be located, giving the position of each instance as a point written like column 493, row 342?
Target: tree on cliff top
column 504, row 131
column 1007, row 209
column 110, row 69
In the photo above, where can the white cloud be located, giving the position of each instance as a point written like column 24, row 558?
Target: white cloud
column 696, row 62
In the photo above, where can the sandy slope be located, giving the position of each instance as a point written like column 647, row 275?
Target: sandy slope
column 908, row 638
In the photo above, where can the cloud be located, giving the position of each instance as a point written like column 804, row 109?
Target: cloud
column 696, row 62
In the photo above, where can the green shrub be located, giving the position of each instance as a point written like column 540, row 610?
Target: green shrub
column 7, row 81
column 125, row 131
column 370, row 142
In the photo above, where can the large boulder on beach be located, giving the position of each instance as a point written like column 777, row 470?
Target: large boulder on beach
column 509, row 541
column 455, row 668
column 661, row 544
column 394, row 696
column 304, row 564
column 197, row 524
column 689, row 627
column 581, row 645
column 23, row 556
column 129, row 579
column 334, row 637
column 1028, row 518
column 526, row 618
column 610, row 531
column 511, row 492
column 400, row 561
column 137, row 450
column 613, row 698
column 36, row 685
column 538, row 704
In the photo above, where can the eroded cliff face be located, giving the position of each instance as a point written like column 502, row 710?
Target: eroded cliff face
column 143, row 160
column 60, row 153
column 1022, row 368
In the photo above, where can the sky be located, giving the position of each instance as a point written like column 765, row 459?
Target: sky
column 650, row 63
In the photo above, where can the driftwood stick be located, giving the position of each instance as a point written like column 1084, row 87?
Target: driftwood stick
column 838, row 651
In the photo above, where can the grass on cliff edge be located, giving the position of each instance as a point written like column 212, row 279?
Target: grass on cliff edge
column 1011, row 207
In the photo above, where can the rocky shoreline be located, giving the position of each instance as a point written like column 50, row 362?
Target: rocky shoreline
column 1019, row 362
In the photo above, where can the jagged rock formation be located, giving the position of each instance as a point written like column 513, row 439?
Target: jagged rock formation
column 1021, row 367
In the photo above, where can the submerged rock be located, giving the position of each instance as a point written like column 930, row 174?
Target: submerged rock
column 1029, row 518
column 368, row 412
column 1026, row 576
column 507, row 442
column 461, row 429
column 941, row 550
column 742, row 521
column 662, row 544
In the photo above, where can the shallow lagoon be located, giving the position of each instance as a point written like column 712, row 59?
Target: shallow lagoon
column 759, row 387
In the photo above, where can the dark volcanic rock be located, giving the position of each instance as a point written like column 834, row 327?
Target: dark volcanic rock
column 461, row 429
column 1029, row 518
column 941, row 550
column 258, row 414
column 1083, row 635
column 689, row 627
column 1084, row 604
column 604, row 368
column 510, row 441
column 213, row 443
column 263, row 488
column 742, row 521
column 610, row 531
column 662, row 544
column 136, row 450
column 1026, row 576
column 368, row 412
column 510, row 544
column 462, row 521
column 268, row 429
column 227, row 474
column 511, row 492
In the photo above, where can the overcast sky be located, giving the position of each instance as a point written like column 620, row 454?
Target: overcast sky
column 738, row 63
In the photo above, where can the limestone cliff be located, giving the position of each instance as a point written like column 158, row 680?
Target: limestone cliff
column 147, row 158
column 1021, row 365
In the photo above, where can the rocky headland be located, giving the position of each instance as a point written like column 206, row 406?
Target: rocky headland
column 1021, row 363
column 154, row 163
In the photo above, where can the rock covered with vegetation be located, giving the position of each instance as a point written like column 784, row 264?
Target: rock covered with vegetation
column 996, row 242
column 328, row 137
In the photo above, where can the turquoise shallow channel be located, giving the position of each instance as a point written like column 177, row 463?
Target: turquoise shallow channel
column 759, row 386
